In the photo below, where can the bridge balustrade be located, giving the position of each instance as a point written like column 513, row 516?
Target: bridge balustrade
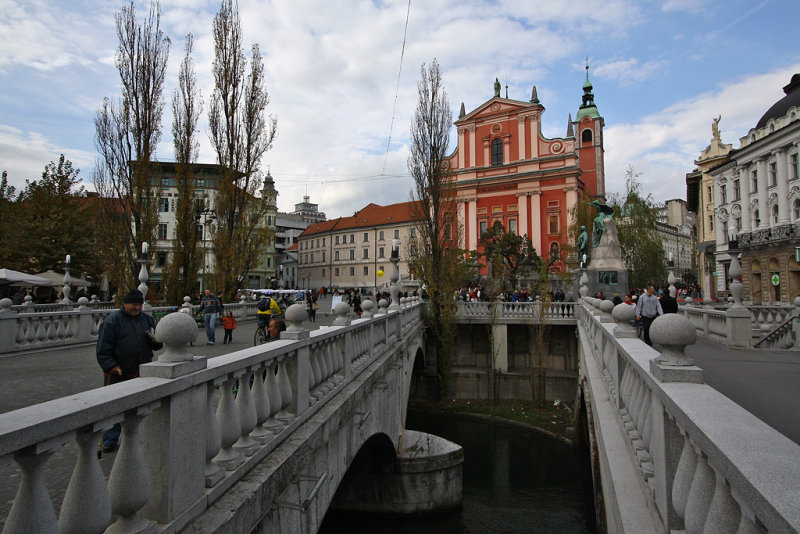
column 191, row 427
column 21, row 328
column 515, row 312
column 702, row 463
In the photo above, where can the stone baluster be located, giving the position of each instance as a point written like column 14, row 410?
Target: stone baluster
column 86, row 507
column 285, row 385
column 213, row 473
column 723, row 514
column 684, row 474
column 275, row 400
column 187, row 303
column 230, row 426
column 342, row 311
column 129, row 481
column 32, row 510
column 700, row 494
column 263, row 409
column 248, row 418
column 748, row 523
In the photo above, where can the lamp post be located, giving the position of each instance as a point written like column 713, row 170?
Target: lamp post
column 671, row 279
column 735, row 270
column 208, row 215
column 394, row 277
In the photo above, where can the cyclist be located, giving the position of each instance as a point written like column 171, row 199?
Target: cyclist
column 267, row 308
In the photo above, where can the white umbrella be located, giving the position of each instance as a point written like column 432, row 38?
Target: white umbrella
column 55, row 279
column 9, row 276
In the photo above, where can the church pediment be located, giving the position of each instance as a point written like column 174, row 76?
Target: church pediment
column 498, row 106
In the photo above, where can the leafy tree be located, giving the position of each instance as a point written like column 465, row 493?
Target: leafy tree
column 127, row 134
column 642, row 250
column 51, row 219
column 507, row 254
column 240, row 134
column 9, row 226
column 438, row 263
column 181, row 272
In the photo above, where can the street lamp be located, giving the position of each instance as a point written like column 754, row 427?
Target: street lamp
column 735, row 270
column 208, row 215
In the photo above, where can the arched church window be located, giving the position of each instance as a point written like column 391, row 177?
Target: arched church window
column 586, row 136
column 497, row 152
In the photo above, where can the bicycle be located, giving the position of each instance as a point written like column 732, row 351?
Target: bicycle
column 262, row 335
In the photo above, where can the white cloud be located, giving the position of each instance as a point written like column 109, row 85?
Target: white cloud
column 664, row 145
column 629, row 71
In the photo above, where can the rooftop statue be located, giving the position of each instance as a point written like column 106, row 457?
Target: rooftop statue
column 496, row 87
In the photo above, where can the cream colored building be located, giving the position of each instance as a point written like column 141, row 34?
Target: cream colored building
column 701, row 200
column 350, row 252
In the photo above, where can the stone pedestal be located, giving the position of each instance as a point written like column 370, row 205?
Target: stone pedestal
column 737, row 327
column 606, row 272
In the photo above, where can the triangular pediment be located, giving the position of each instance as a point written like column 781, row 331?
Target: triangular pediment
column 498, row 106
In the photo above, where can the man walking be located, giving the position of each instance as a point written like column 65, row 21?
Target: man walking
column 647, row 309
column 211, row 306
column 126, row 339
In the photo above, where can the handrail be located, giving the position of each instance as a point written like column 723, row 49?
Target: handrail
column 778, row 329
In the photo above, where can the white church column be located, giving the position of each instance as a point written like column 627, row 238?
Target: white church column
column 534, row 129
column 472, row 146
column 473, row 224
column 461, row 148
column 521, row 140
column 522, row 205
column 462, row 222
column 536, row 222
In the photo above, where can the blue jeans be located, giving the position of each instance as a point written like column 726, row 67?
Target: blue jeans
column 210, row 320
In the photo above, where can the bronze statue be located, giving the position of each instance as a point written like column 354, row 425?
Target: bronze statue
column 583, row 244
column 603, row 212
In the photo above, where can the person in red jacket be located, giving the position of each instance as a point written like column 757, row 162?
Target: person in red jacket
column 229, row 323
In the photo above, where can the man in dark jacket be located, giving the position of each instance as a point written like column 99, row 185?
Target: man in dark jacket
column 668, row 303
column 126, row 339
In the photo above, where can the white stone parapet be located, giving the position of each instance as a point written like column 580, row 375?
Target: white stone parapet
column 181, row 449
column 696, row 461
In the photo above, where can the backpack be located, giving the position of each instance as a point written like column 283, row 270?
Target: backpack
column 264, row 304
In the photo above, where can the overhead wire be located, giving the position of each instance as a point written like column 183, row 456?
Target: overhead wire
column 397, row 89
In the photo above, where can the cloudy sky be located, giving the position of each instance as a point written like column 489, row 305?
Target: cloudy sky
column 661, row 71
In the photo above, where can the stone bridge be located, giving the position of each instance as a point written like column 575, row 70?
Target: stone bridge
column 202, row 452
column 198, row 456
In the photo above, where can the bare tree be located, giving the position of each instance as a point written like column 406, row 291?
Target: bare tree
column 127, row 133
column 240, row 134
column 438, row 263
column 187, row 257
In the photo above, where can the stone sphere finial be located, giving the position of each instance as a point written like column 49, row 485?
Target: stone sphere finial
column 403, row 302
column 797, row 301
column 83, row 302
column 342, row 310
column 28, row 301
column 606, row 306
column 367, row 306
column 5, row 305
column 673, row 332
column 623, row 314
column 295, row 315
column 383, row 304
column 187, row 302
column 176, row 331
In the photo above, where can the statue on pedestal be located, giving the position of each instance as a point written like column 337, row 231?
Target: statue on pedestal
column 603, row 212
column 583, row 244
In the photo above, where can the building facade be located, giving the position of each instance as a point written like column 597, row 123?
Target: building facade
column 674, row 228
column 354, row 252
column 206, row 186
column 758, row 192
column 701, row 201
column 506, row 170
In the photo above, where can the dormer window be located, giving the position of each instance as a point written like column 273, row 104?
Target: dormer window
column 497, row 152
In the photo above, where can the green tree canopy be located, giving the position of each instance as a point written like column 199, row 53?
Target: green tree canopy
column 507, row 254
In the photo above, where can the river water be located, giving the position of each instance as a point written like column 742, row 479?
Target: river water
column 515, row 481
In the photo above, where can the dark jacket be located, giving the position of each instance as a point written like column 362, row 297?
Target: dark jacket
column 669, row 304
column 123, row 341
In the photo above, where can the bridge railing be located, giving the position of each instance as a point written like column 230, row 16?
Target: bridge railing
column 191, row 427
column 744, row 326
column 21, row 328
column 515, row 312
column 703, row 463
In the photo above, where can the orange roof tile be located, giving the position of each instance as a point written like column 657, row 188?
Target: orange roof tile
column 367, row 217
